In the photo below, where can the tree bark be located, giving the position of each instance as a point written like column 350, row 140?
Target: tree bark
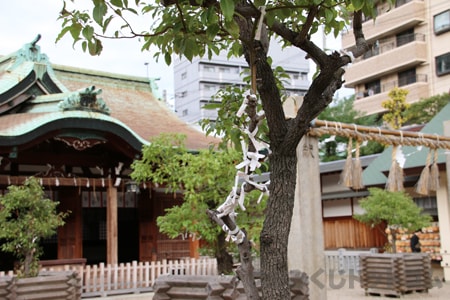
column 275, row 233
column 224, row 259
column 245, row 270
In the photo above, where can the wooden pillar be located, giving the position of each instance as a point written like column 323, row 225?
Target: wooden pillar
column 443, row 206
column 306, row 242
column 111, row 225
column 193, row 248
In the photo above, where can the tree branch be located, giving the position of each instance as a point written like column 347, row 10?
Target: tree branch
column 245, row 270
column 361, row 43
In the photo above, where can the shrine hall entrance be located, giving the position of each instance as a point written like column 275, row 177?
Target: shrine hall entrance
column 84, row 234
column 94, row 235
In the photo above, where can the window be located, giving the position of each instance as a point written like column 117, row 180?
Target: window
column 184, row 112
column 442, row 22
column 405, row 37
column 374, row 50
column 207, row 68
column 224, row 70
column 443, row 64
column 372, row 88
column 183, row 75
column 406, row 77
column 209, row 87
column 401, row 2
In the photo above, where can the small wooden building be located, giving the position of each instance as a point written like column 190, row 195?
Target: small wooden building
column 79, row 131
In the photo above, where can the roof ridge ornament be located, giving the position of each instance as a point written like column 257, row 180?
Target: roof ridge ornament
column 32, row 52
column 85, row 99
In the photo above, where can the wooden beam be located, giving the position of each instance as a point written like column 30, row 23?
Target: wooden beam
column 56, row 181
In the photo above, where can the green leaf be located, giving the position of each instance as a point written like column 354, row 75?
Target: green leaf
column 168, row 58
column 95, row 47
column 259, row 3
column 84, row 46
column 99, row 11
column 329, row 15
column 227, row 7
column 232, row 28
column 75, row 31
column 190, row 48
column 62, row 33
column 358, row 4
column 212, row 31
column 285, row 12
column 117, row 3
column 106, row 23
column 88, row 32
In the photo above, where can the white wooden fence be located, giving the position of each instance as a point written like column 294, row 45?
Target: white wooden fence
column 344, row 261
column 135, row 277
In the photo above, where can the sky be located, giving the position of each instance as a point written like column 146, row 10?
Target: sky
column 22, row 20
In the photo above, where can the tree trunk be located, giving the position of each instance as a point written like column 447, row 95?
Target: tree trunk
column 28, row 264
column 394, row 240
column 224, row 259
column 275, row 232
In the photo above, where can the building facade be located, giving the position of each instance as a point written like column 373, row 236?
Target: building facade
column 196, row 81
column 78, row 131
column 409, row 49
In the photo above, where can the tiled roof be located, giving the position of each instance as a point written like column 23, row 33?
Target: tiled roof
column 415, row 156
column 129, row 99
column 131, row 102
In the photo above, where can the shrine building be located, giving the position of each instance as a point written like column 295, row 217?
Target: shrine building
column 78, row 131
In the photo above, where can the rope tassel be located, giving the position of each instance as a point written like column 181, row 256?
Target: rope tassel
column 434, row 172
column 347, row 172
column 357, row 170
column 394, row 182
column 423, row 184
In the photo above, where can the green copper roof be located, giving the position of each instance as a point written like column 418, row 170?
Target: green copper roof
column 20, row 64
column 38, row 120
column 415, row 156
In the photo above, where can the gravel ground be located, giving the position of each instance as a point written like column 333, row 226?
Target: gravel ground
column 348, row 288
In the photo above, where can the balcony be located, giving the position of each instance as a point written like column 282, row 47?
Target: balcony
column 387, row 59
column 371, row 103
column 388, row 23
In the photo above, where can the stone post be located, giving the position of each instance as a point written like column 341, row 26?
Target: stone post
column 443, row 205
column 306, row 241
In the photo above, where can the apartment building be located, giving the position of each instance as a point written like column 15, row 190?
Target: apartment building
column 410, row 49
column 196, row 81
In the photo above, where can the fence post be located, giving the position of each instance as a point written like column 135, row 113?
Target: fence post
column 341, row 252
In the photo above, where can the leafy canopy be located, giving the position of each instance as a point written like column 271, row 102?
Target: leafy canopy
column 27, row 217
column 204, row 177
column 396, row 209
column 424, row 110
column 395, row 106
column 194, row 27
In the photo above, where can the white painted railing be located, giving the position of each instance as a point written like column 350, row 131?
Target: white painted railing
column 344, row 261
column 135, row 277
